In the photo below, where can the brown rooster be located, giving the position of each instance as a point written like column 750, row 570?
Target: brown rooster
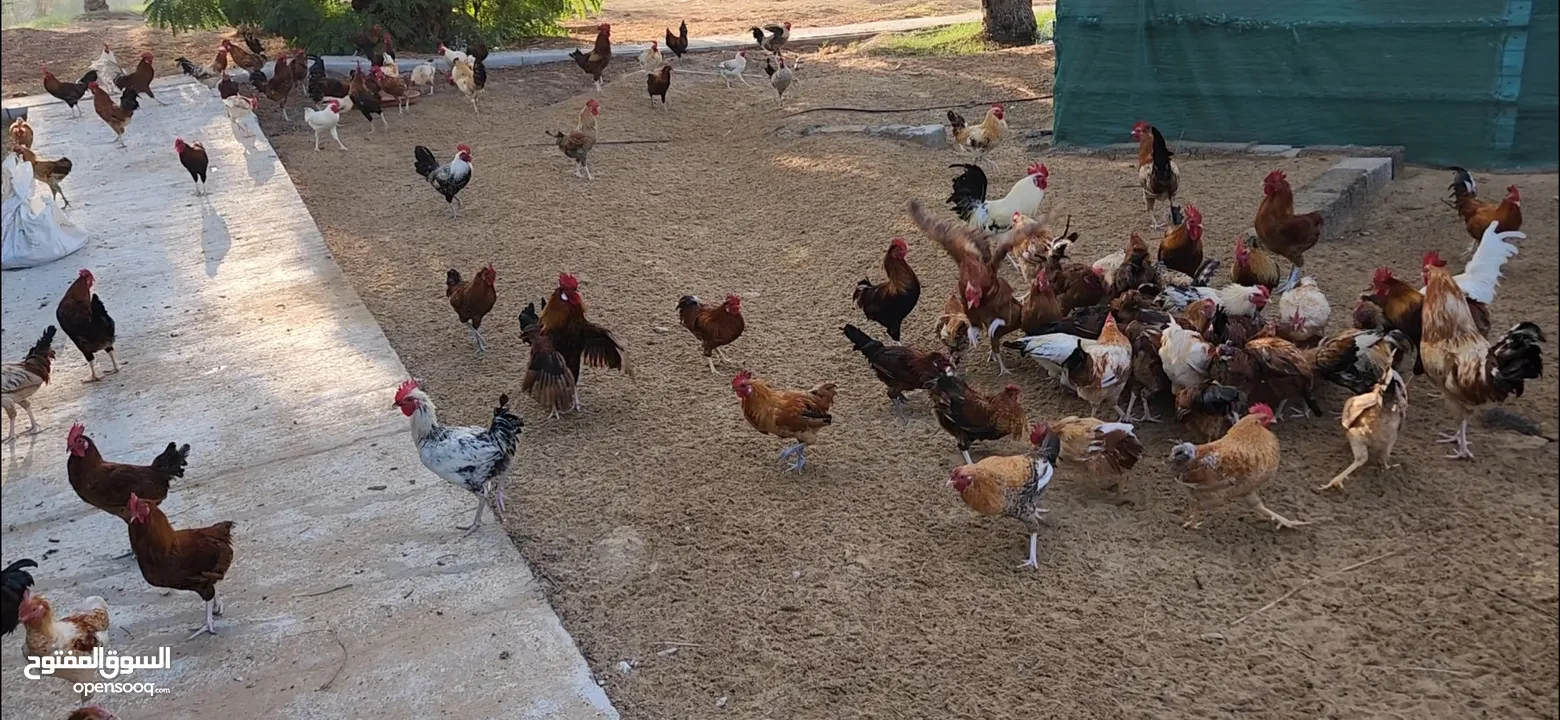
column 472, row 299
column 117, row 116
column 1477, row 214
column 577, row 339
column 1281, row 230
column 548, row 379
column 970, row 415
column 988, row 299
column 577, row 145
column 108, row 486
column 1012, row 485
column 791, row 414
column 141, row 79
column 902, row 369
column 715, row 326
column 888, row 303
column 194, row 560
column 595, row 63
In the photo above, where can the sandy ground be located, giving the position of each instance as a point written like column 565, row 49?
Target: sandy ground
column 865, row 588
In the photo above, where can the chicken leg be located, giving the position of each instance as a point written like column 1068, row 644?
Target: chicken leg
column 800, row 451
column 1361, row 456
column 211, row 622
column 996, row 350
column 1034, row 547
column 1283, row 522
column 476, row 522
column 1462, row 451
column 33, row 426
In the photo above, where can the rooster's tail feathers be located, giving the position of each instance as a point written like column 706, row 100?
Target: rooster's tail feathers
column 173, row 459
column 1205, row 272
column 1482, row 275
column 1518, row 357
column 506, row 426
column 956, row 121
column 969, row 190
column 1462, row 183
column 426, row 163
column 861, row 341
column 90, row 76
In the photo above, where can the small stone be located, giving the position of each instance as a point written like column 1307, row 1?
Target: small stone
column 721, row 701
column 625, row 667
column 796, row 574
column 377, row 487
column 503, row 655
column 1213, row 637
column 661, row 329
column 667, row 651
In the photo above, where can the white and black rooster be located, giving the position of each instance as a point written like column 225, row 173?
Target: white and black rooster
column 970, row 202
column 448, row 179
column 474, row 458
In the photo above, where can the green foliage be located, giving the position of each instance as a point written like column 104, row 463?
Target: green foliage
column 330, row 26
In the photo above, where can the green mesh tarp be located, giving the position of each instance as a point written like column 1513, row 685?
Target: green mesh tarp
column 1470, row 83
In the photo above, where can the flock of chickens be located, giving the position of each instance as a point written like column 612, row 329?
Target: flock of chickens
column 1147, row 325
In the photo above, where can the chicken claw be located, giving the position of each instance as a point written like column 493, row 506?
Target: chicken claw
column 211, row 622
column 1256, row 504
column 1034, row 560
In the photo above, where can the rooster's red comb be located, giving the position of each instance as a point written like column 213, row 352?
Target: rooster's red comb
column 1193, row 215
column 76, row 431
column 1261, row 409
column 1433, row 258
column 1038, row 169
column 568, row 282
column 742, row 378
column 1276, row 175
column 405, row 389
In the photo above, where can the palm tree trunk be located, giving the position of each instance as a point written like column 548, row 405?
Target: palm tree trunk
column 1009, row 22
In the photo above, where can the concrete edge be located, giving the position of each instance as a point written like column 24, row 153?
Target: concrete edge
column 1126, row 151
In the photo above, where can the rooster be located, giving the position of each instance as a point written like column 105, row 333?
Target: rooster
column 657, row 83
column 447, row 179
column 714, row 325
column 1356, row 359
column 1476, row 214
column 790, row 414
column 324, row 121
column 193, row 559
column 320, row 85
column 1100, row 449
column 1012, row 485
column 1281, row 230
column 1234, row 466
column 84, row 319
column 1371, row 421
column 19, row 381
column 779, row 35
column 548, row 379
column 14, row 584
column 107, row 486
column 193, row 157
column 474, row 458
column 888, row 303
column 678, row 43
column 48, row 172
column 902, row 369
column 732, row 69
column 470, row 77
column 141, row 79
column 277, row 88
column 107, row 64
column 595, row 62
column 77, row 635
column 1254, row 266
column 953, row 326
column 117, row 116
column 1481, row 276
column 365, row 97
column 650, row 59
column 1209, row 408
column 472, row 299
column 1303, row 313
column 970, row 415
column 577, row 145
column 578, row 339
column 69, row 93
column 988, row 299
column 969, row 197
column 1461, row 362
column 1158, row 175
column 1181, row 249
column 208, row 75
column 246, row 59
column 1095, row 369
column 982, row 138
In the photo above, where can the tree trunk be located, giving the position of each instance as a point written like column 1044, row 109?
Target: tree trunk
column 1009, row 22
column 95, row 6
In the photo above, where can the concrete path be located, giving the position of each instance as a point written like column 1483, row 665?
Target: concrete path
column 838, row 33
column 351, row 594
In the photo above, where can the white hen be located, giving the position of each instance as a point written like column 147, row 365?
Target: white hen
column 425, row 75
column 732, row 69
column 1185, row 356
column 239, row 109
column 1303, row 312
column 324, row 121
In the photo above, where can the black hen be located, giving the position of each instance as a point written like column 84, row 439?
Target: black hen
column 14, row 582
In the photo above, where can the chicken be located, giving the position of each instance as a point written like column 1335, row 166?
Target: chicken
column 453, row 56
column 678, row 43
column 92, row 712
column 226, row 88
column 778, row 36
column 472, row 299
column 1158, row 175
column 425, row 75
column 476, row 48
column 68, row 93
column 75, row 635
column 1476, row 214
column 1012, row 485
column 1040, row 307
column 299, row 66
column 14, row 584
column 1181, row 249
column 781, row 79
column 276, row 88
column 365, row 97
column 1234, row 466
column 84, row 319
column 968, row 198
column 988, row 299
column 1148, row 379
column 393, row 86
column 208, row 75
column 1101, row 449
column 21, row 135
column 1371, row 421
column 193, row 157
column 141, row 79
column 1032, row 242
column 1283, row 232
column 324, row 121
column 1401, row 305
column 117, row 116
column 470, row 457
column 240, row 109
column 888, row 303
column 1303, row 313
column 385, row 58
column 578, row 339
column 1185, row 356
column 1481, row 277
column 1135, row 269
column 107, row 486
column 367, row 42
column 714, row 325
column 1356, row 359
column 320, row 85
column 595, row 63
column 447, row 179
column 19, row 381
column 970, row 415
column 1087, row 322
column 577, row 145
column 1280, row 372
column 470, row 79
column 790, row 414
column 657, row 83
column 1239, row 300
column 982, row 138
column 194, row 559
column 548, row 379
column 1209, row 408
column 1095, row 369
column 650, row 59
column 953, row 326
column 1463, row 364
column 48, row 172
column 901, row 369
column 1076, row 285
column 246, row 59
column 107, row 64
column 732, row 69
column 1253, row 266
column 1367, row 314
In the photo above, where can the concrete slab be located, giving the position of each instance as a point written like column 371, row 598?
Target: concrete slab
column 932, row 136
column 351, row 594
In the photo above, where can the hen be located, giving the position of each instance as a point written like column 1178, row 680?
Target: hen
column 658, row 83
column 195, row 161
column 1012, row 485
column 472, row 299
column 108, row 486
column 21, row 380
column 790, row 414
column 1476, row 214
column 1181, row 249
column 1076, row 285
column 714, row 325
column 194, row 559
column 1185, row 356
column 1040, row 308
column 471, row 457
column 578, row 339
column 1234, row 466
column 988, row 299
column 901, row 369
column 982, row 138
column 1281, row 230
column 1101, row 449
column 1303, row 313
column 970, row 415
column 1158, row 175
column 115, row 115
column 1097, row 370
column 548, row 379
column 1371, row 421
column 1209, row 408
column 75, row 635
column 888, row 303
column 84, row 319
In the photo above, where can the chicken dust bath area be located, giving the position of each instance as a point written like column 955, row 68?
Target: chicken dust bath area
column 864, row 588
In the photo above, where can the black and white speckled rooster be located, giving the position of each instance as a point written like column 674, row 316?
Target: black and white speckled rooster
column 471, row 457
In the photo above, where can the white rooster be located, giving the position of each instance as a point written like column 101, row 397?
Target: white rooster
column 732, row 69
column 107, row 65
column 474, row 458
column 969, row 197
column 323, row 121
column 1481, row 276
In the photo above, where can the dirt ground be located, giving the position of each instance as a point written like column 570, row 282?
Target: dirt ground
column 864, row 588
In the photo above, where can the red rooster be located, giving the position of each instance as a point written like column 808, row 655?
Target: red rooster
column 194, row 560
column 577, row 339
column 888, row 303
column 596, row 62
